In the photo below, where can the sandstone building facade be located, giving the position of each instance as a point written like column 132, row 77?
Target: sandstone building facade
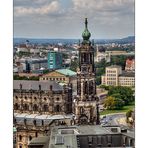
column 37, row 106
column 37, row 97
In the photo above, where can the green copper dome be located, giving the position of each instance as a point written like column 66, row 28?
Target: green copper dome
column 86, row 34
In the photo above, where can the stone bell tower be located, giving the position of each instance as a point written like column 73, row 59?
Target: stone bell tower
column 87, row 103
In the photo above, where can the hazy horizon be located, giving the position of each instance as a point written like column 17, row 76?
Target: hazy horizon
column 73, row 38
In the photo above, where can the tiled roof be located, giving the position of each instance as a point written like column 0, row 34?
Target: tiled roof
column 34, row 85
column 127, row 74
column 114, row 66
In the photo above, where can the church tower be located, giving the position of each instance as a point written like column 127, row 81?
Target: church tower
column 87, row 103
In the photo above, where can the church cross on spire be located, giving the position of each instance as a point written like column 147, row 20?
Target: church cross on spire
column 86, row 22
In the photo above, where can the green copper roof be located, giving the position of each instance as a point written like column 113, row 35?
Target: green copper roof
column 14, row 129
column 66, row 72
column 86, row 34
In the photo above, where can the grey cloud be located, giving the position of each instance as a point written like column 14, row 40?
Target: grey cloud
column 104, row 15
column 51, row 7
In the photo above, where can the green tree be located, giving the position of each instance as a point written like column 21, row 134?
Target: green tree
column 113, row 103
column 109, row 103
column 35, row 78
column 45, row 71
column 65, row 56
column 124, row 93
column 129, row 113
column 119, row 103
column 105, row 87
column 98, row 80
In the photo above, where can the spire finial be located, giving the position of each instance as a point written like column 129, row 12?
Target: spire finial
column 86, row 22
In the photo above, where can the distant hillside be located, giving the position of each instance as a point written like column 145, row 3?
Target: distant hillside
column 130, row 39
column 126, row 40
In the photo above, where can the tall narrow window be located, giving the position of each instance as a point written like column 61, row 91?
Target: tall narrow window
column 58, row 108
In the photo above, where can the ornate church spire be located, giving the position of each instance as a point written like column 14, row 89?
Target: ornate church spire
column 86, row 34
column 86, row 112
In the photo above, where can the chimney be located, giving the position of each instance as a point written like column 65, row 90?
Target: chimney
column 20, row 86
column 39, row 87
column 50, row 87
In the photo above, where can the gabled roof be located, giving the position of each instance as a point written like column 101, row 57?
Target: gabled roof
column 60, row 72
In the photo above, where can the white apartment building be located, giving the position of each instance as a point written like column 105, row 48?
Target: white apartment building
column 111, row 75
column 114, row 76
column 127, row 79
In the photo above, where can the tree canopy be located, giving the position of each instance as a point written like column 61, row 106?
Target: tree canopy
column 112, row 103
column 124, row 93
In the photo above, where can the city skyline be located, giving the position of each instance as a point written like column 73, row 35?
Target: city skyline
column 64, row 18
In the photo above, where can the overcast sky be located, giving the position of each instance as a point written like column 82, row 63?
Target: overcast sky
column 65, row 18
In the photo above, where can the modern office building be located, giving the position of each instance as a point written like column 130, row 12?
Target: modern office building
column 111, row 76
column 127, row 79
column 114, row 76
column 33, row 64
column 54, row 60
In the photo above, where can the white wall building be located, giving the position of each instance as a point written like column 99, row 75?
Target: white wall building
column 114, row 76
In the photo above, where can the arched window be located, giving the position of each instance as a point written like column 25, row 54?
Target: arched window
column 30, row 138
column 20, row 138
column 45, row 99
column 57, row 109
column 16, row 106
column 16, row 97
column 26, row 107
column 58, row 99
column 35, row 98
column 25, row 98
column 45, row 108
column 35, row 107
